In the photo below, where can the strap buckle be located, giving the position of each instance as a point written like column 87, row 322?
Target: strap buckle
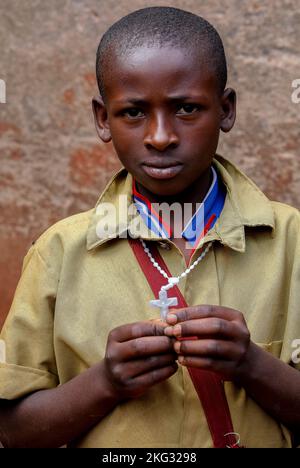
column 235, row 444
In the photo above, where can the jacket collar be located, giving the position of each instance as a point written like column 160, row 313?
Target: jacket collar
column 245, row 206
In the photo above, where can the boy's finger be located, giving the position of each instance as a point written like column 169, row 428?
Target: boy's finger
column 145, row 346
column 214, row 348
column 202, row 328
column 155, row 376
column 137, row 329
column 132, row 369
column 201, row 311
column 206, row 363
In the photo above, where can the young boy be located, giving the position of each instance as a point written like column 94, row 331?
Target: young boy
column 88, row 363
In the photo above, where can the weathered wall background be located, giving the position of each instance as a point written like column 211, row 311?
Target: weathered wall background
column 52, row 164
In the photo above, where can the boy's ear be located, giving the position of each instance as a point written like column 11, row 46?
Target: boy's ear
column 101, row 119
column 228, row 113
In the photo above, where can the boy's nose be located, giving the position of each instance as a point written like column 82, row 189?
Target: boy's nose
column 160, row 134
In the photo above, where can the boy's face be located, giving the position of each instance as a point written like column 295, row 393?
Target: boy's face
column 163, row 113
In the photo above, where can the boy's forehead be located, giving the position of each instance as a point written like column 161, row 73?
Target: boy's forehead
column 140, row 54
column 157, row 62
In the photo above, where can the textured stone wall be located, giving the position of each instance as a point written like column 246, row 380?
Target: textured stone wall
column 52, row 164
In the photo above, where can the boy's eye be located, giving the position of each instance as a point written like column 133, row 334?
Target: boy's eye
column 188, row 109
column 133, row 113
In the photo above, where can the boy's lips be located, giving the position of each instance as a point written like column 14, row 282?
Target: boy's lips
column 162, row 170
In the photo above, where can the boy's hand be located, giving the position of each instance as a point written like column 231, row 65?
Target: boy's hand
column 223, row 338
column 138, row 355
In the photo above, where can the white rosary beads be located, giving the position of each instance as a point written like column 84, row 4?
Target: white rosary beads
column 164, row 302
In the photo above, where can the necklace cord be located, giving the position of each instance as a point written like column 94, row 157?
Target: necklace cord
column 172, row 280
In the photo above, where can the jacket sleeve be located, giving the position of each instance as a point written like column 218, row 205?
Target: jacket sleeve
column 27, row 358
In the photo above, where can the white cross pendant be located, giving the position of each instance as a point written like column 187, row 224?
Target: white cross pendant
column 164, row 303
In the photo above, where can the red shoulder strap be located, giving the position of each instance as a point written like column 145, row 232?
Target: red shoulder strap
column 209, row 386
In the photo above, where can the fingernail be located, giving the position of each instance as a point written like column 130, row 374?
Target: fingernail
column 177, row 330
column 169, row 331
column 171, row 319
column 177, row 346
column 181, row 359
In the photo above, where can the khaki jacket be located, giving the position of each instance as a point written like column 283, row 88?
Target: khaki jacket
column 76, row 287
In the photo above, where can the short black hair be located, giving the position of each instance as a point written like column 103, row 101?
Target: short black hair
column 162, row 26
